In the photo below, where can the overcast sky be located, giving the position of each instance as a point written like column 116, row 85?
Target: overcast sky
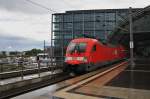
column 24, row 25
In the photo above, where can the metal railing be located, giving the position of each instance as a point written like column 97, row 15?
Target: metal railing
column 21, row 69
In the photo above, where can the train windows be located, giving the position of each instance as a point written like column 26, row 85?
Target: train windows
column 71, row 47
column 94, row 48
column 82, row 47
column 79, row 47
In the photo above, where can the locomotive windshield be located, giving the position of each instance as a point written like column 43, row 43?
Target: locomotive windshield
column 79, row 47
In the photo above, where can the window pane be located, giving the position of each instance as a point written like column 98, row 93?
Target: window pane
column 78, row 17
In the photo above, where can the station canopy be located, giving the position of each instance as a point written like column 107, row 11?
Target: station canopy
column 141, row 31
column 141, row 27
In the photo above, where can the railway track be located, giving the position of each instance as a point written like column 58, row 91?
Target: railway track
column 45, row 82
column 53, row 80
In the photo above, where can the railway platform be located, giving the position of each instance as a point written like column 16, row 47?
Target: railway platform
column 119, row 81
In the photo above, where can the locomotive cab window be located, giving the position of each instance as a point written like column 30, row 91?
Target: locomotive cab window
column 82, row 47
column 94, row 48
column 79, row 47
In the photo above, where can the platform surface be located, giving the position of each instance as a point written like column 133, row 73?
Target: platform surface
column 27, row 77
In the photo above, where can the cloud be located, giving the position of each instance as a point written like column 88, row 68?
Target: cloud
column 21, row 6
column 25, row 6
column 106, row 4
column 12, row 43
column 22, row 31
column 29, row 26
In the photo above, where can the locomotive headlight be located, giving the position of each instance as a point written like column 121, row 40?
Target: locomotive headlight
column 68, row 58
column 84, row 59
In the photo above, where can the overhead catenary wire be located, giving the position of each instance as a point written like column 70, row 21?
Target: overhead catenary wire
column 42, row 6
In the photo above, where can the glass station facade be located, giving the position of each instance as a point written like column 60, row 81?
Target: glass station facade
column 72, row 24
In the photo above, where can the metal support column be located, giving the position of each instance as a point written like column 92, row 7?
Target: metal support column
column 131, row 38
column 131, row 55
column 105, row 37
column 72, row 26
column 83, row 23
column 52, row 47
column 39, row 67
column 44, row 49
column 21, row 64
column 116, row 19
column 94, row 24
column 62, row 45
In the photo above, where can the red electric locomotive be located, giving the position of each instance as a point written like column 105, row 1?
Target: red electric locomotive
column 87, row 54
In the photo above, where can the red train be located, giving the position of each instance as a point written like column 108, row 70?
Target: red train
column 87, row 54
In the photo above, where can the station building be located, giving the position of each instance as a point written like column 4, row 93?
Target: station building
column 72, row 24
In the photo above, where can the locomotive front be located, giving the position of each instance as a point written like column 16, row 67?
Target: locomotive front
column 77, row 55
